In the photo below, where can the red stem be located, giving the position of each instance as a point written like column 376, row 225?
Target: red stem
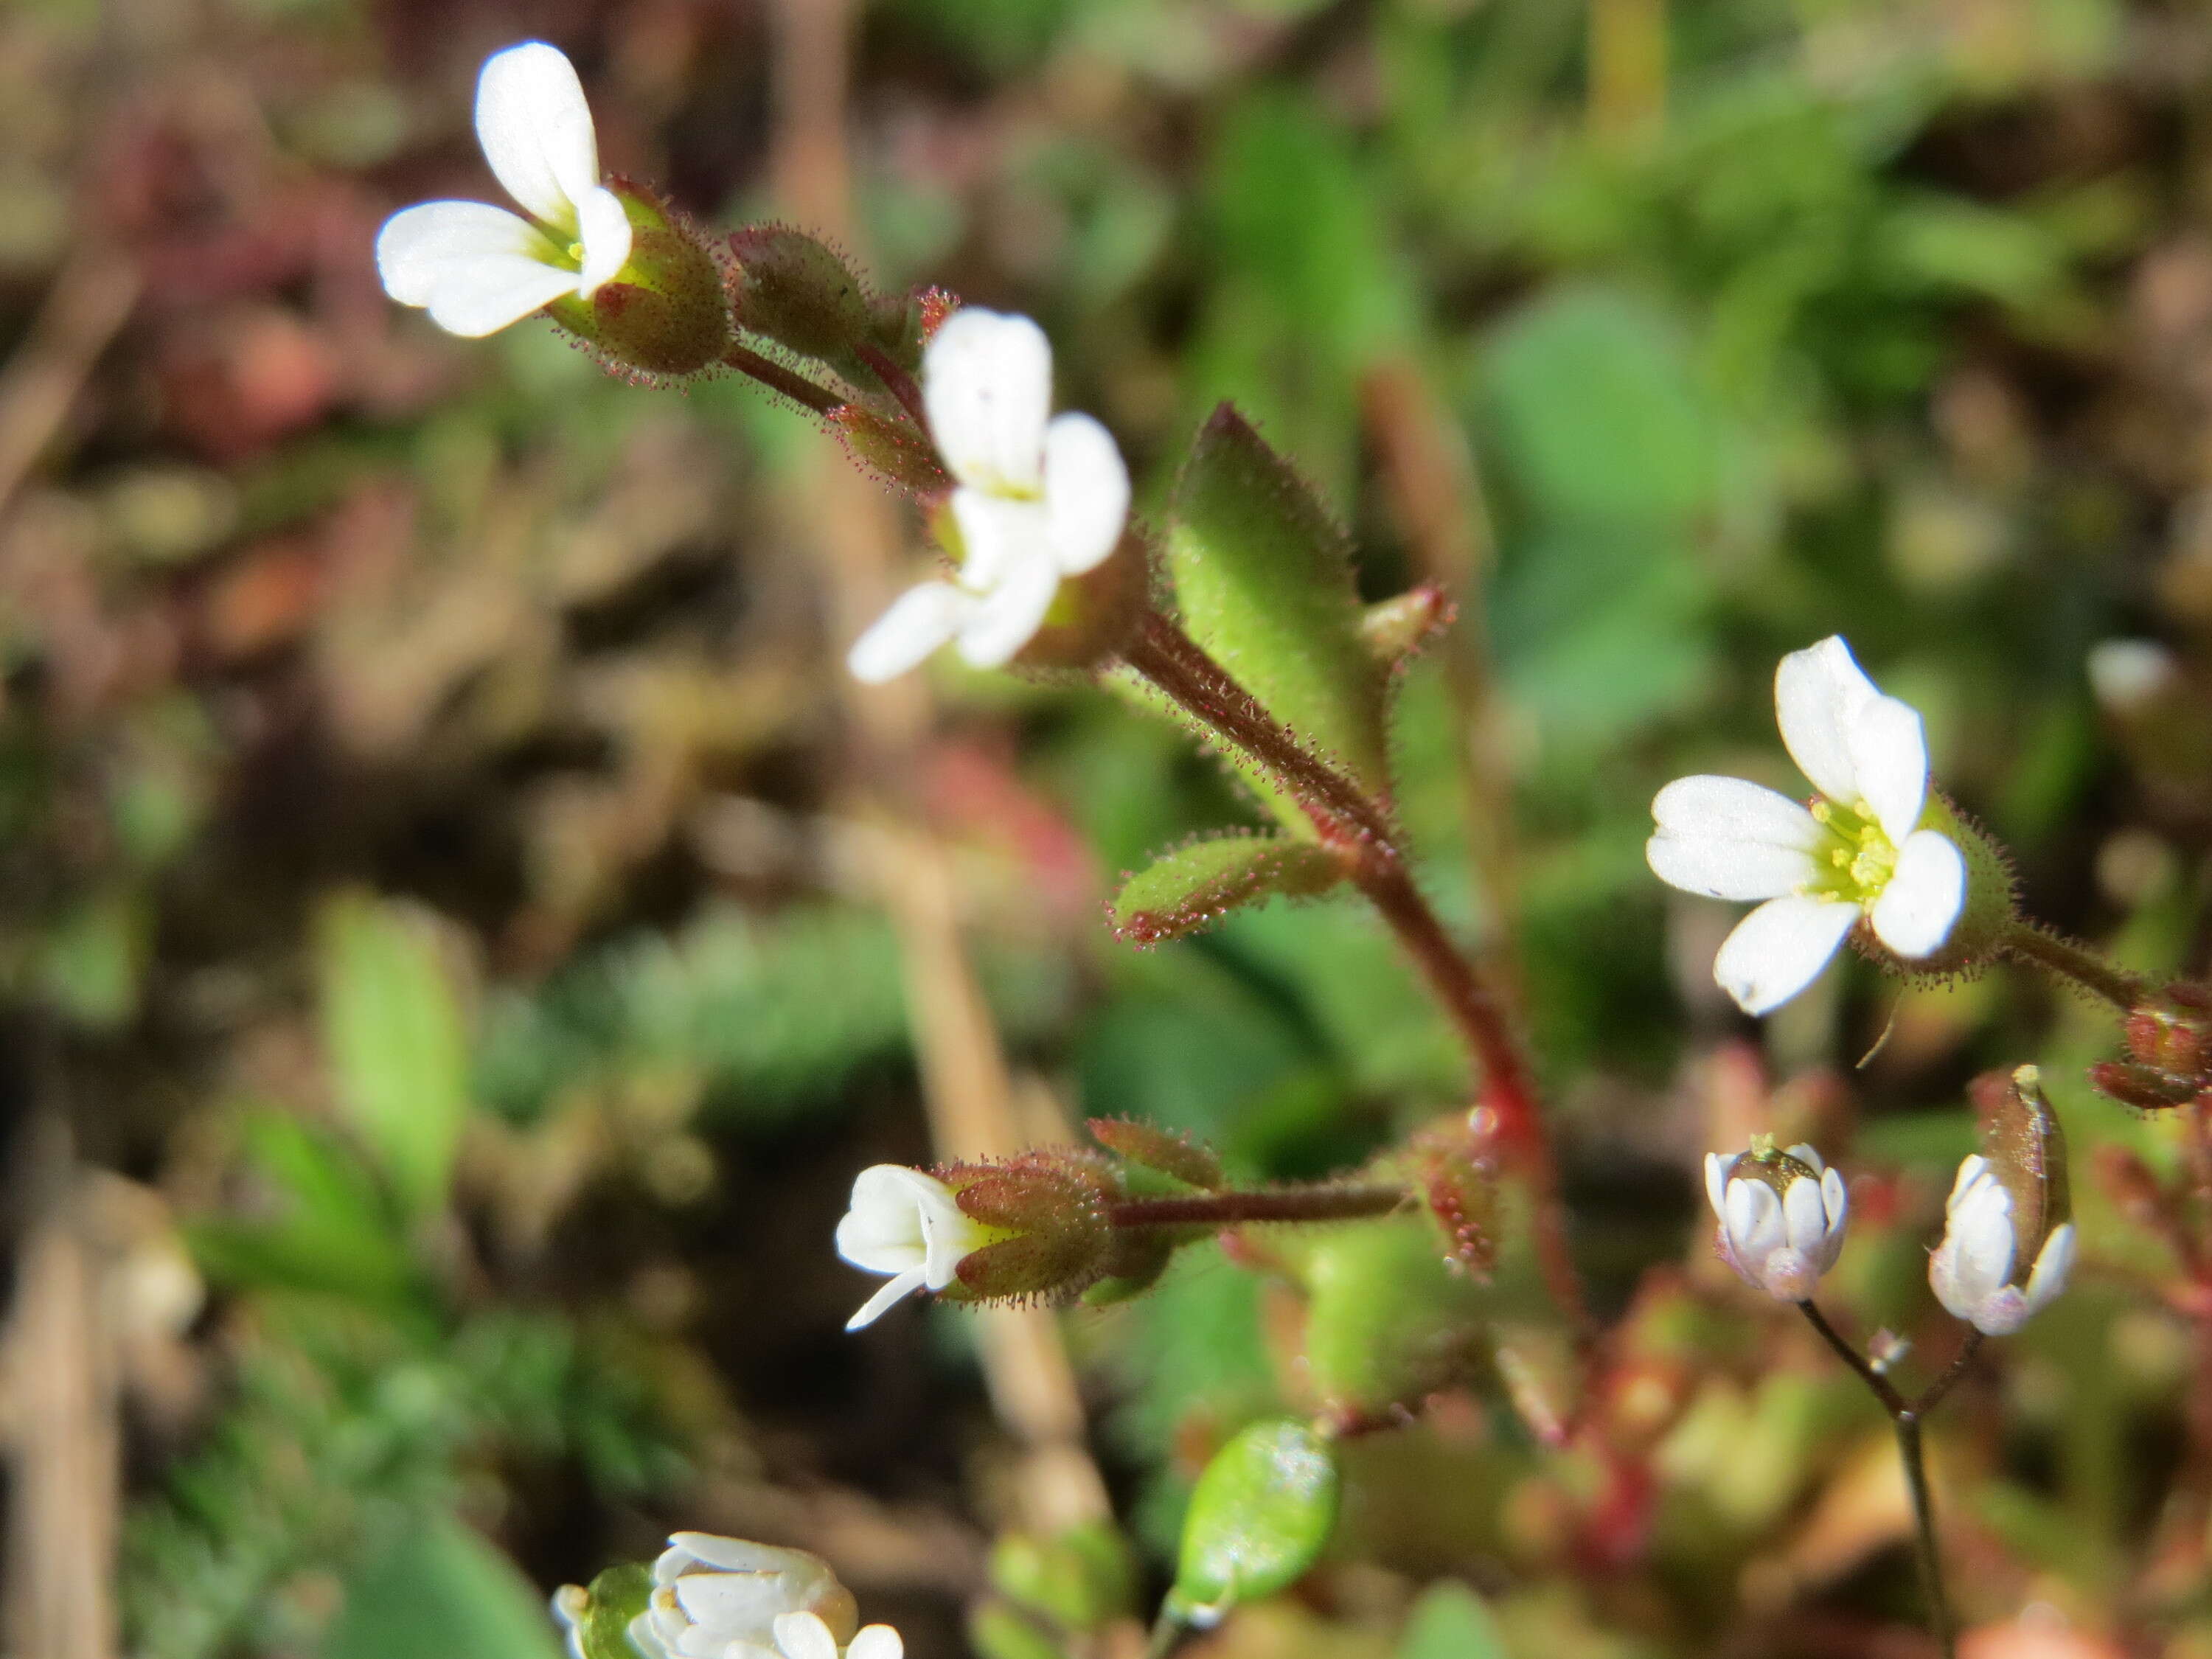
column 1321, row 1203
column 1360, row 830
column 777, row 377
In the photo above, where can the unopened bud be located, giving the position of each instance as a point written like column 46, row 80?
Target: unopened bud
column 1169, row 1151
column 2008, row 1234
column 2143, row 1087
column 1782, row 1216
column 794, row 290
column 1258, row 1519
column 2172, row 1032
column 664, row 312
column 1394, row 629
column 892, row 450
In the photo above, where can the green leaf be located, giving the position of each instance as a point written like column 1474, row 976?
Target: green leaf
column 440, row 1592
column 1264, row 580
column 1183, row 891
column 392, row 1031
column 332, row 1234
column 1450, row 1621
column 1260, row 1515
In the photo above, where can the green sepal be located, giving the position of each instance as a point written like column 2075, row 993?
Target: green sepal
column 618, row 1595
column 1170, row 1151
column 796, row 290
column 1183, row 891
column 1259, row 1518
column 1264, row 581
column 1389, row 1320
column 665, row 311
column 1138, row 1260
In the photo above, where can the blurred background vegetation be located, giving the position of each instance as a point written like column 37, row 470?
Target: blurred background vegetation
column 459, row 936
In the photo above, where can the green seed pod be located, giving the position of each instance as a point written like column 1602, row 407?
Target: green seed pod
column 1260, row 1515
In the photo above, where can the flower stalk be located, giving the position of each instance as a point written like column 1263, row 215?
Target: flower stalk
column 2074, row 964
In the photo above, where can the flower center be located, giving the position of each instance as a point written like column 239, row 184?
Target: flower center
column 1857, row 857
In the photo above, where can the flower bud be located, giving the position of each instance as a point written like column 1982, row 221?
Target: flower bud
column 664, row 312
column 724, row 1598
column 1782, row 1216
column 1170, row 1151
column 1258, row 1519
column 892, row 450
column 2008, row 1234
column 2143, row 1087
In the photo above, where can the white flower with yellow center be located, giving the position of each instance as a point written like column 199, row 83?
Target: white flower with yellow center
column 478, row 268
column 1037, row 498
column 1865, row 848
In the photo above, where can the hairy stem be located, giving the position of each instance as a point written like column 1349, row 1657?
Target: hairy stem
column 1342, row 1202
column 1360, row 830
column 1905, row 1417
column 777, row 377
column 2064, row 959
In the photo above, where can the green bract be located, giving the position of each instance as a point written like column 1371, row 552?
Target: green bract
column 1183, row 891
column 1261, row 1513
column 1264, row 580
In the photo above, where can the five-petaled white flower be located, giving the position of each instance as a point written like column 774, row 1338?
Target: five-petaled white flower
column 909, row 1224
column 725, row 1598
column 1782, row 1217
column 1037, row 498
column 1860, row 851
column 478, row 268
column 1975, row 1272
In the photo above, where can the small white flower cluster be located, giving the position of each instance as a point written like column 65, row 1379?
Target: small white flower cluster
column 1974, row 1269
column 906, row 1223
column 1858, row 853
column 1782, row 1217
column 1038, row 498
column 478, row 268
column 725, row 1598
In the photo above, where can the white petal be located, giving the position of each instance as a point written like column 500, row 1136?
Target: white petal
column 1816, row 692
column 535, row 130
column 987, row 385
column 1734, row 810
column 1805, row 1217
column 1010, row 615
column 882, row 1228
column 1982, row 1233
column 1755, row 1226
column 880, row 1304
column 1716, row 1183
column 420, row 250
column 1969, row 1171
column 1788, row 1274
column 1807, row 1154
column 733, row 1602
column 876, row 1642
column 711, row 1549
column 1728, row 869
column 1889, row 752
column 645, row 1639
column 1837, row 1199
column 2052, row 1265
column 482, row 296
column 1780, row 949
column 1919, row 904
column 1086, row 492
column 996, row 534
column 603, row 228
column 919, row 620
column 803, row 1636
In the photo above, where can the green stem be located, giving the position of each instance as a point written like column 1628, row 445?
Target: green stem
column 777, row 377
column 2076, row 963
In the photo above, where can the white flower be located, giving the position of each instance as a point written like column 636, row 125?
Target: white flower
column 906, row 1223
column 570, row 1603
column 1036, row 500
column 1782, row 1217
column 724, row 1598
column 479, row 267
column 1859, row 851
column 1974, row 1272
